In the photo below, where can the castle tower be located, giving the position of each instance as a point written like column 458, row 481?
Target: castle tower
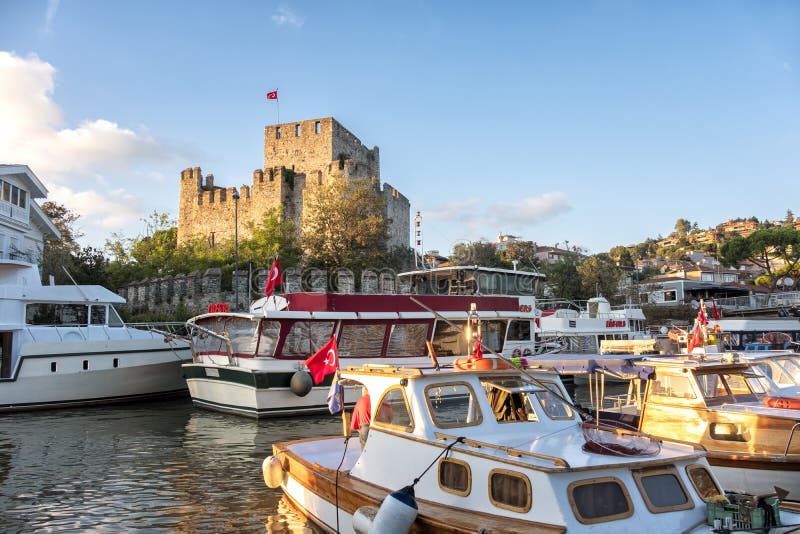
column 298, row 156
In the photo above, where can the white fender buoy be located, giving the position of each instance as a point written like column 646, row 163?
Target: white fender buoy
column 272, row 469
column 397, row 513
column 363, row 518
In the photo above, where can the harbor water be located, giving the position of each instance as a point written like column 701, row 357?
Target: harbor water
column 155, row 467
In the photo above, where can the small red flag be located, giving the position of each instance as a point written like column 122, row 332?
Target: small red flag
column 324, row 362
column 715, row 310
column 273, row 279
column 697, row 339
column 272, row 95
column 701, row 316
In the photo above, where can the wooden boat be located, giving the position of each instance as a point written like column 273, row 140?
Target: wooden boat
column 490, row 451
column 717, row 402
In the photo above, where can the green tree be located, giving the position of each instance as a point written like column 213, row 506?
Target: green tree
column 776, row 250
column 600, row 276
column 345, row 226
column 563, row 278
column 478, row 253
column 683, row 227
column 524, row 252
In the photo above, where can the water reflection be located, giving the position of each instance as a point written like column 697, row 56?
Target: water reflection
column 162, row 467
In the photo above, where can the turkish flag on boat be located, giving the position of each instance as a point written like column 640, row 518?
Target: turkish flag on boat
column 701, row 315
column 273, row 278
column 324, row 362
column 272, row 95
column 697, row 339
column 715, row 310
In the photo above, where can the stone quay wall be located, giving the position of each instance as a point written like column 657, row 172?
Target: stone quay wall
column 195, row 291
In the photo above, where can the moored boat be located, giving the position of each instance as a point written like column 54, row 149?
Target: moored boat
column 492, row 451
column 65, row 345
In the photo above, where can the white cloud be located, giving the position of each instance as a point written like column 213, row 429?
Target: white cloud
column 89, row 168
column 284, row 16
column 50, row 15
column 478, row 218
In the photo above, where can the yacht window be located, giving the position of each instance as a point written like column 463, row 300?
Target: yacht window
column 493, row 333
column 97, row 315
column 599, row 499
column 268, row 338
column 56, row 314
column 703, row 482
column 450, row 340
column 738, row 385
column 407, row 339
column 453, row 405
column 306, row 337
column 242, row 334
column 455, row 477
column 662, row 490
column 362, row 340
column 553, row 406
column 519, row 331
column 712, row 386
column 392, row 410
column 114, row 318
column 509, row 490
column 510, row 406
column 678, row 387
column 208, row 344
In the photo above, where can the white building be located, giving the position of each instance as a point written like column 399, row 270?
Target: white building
column 24, row 227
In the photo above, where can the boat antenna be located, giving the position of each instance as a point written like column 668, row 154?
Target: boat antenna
column 85, row 296
column 501, row 357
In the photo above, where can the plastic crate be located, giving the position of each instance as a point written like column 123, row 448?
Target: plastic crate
column 747, row 512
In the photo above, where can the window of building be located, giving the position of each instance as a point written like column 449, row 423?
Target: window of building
column 707, row 277
column 13, row 194
column 703, row 482
column 662, row 490
column 278, row 132
column 453, row 405
column 670, row 295
column 455, row 477
column 317, row 127
column 599, row 499
column 510, row 490
column 297, row 130
column 392, row 410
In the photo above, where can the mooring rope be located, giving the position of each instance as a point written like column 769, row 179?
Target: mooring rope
column 344, row 455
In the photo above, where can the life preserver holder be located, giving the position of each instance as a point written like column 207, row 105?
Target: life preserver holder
column 790, row 403
column 480, row 364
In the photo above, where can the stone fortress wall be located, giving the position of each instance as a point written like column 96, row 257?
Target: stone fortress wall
column 298, row 157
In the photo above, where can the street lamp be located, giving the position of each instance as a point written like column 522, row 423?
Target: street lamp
column 236, row 250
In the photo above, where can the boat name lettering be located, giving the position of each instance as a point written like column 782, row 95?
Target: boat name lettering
column 611, row 323
column 217, row 307
column 525, row 308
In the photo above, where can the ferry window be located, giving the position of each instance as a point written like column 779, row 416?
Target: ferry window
column 56, row 314
column 450, row 340
column 519, row 331
column 85, row 365
column 407, row 340
column 97, row 315
column 307, row 337
column 509, row 490
column 703, row 482
column 600, row 499
column 392, row 410
column 364, row 340
column 678, row 387
column 268, row 337
column 662, row 490
column 455, row 477
column 114, row 318
column 493, row 333
column 554, row 407
column 453, row 405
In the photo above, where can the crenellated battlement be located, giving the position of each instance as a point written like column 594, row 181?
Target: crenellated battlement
column 298, row 156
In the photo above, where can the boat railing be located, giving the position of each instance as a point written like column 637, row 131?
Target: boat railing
column 511, row 451
column 167, row 331
column 198, row 331
column 791, row 436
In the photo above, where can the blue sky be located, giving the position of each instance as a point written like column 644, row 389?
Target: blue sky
column 597, row 123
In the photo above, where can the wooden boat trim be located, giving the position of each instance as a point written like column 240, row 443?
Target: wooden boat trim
column 354, row 493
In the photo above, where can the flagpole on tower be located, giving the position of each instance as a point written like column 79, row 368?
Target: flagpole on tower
column 277, row 106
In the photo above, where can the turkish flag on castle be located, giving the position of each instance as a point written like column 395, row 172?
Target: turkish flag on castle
column 324, row 362
column 272, row 95
column 273, row 278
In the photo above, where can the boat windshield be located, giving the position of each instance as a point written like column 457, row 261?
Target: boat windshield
column 784, row 372
column 723, row 387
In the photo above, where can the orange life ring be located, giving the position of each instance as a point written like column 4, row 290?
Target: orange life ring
column 791, row 403
column 480, row 364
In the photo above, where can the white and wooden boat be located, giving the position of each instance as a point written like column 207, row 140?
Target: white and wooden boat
column 493, row 451
column 717, row 401
column 65, row 345
column 252, row 363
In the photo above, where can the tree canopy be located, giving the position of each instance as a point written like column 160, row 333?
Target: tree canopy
column 776, row 250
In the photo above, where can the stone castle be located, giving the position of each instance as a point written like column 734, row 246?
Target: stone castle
column 298, row 157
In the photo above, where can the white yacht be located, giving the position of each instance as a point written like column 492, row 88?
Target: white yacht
column 65, row 345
